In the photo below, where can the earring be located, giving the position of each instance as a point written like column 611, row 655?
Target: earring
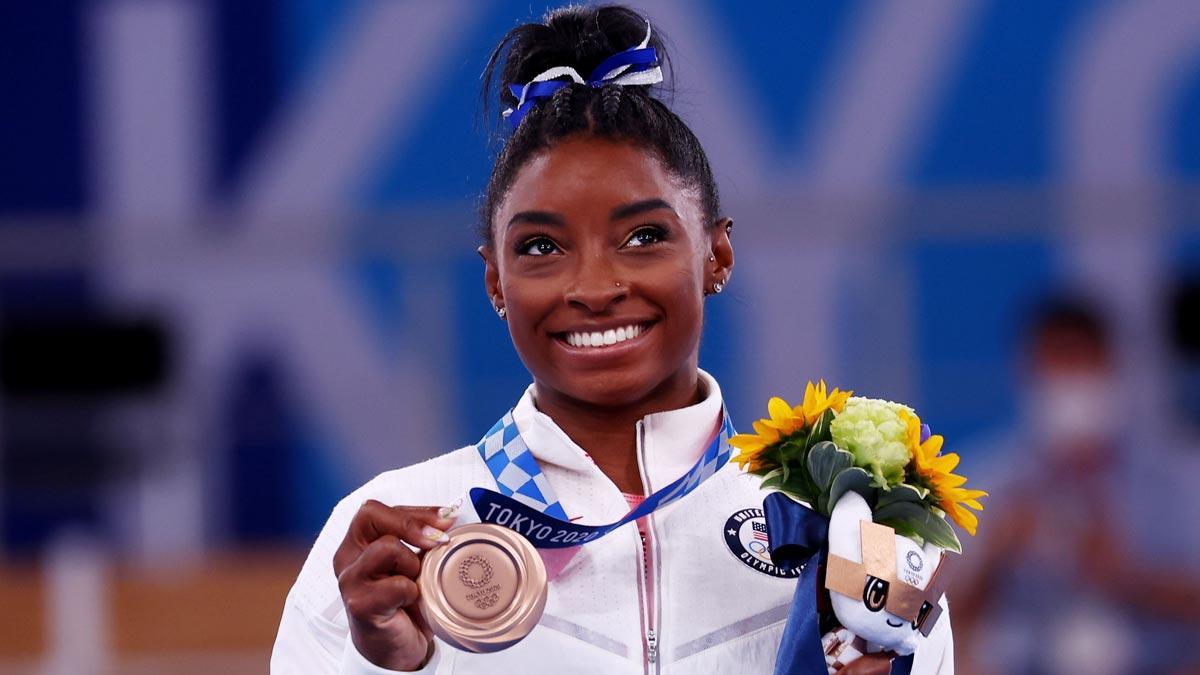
column 501, row 312
column 712, row 258
column 718, row 287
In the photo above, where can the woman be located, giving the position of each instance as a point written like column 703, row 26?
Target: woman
column 602, row 237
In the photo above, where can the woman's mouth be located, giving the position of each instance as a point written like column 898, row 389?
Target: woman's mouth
column 605, row 338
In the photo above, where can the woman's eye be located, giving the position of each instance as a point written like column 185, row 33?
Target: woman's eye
column 646, row 236
column 538, row 246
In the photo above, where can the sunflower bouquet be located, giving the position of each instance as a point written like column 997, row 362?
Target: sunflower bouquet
column 833, row 443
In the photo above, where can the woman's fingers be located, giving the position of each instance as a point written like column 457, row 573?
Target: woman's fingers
column 381, row 581
column 381, row 616
column 418, row 526
column 870, row 664
column 386, row 556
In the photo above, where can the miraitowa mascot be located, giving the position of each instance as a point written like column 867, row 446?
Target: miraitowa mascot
column 885, row 589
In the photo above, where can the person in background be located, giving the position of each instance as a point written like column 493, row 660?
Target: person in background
column 1059, row 581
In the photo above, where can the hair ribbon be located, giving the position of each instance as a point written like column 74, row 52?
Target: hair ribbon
column 637, row 65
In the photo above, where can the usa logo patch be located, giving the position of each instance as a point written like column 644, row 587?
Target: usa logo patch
column 746, row 536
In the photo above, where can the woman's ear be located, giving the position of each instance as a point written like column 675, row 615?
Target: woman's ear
column 720, row 254
column 491, row 276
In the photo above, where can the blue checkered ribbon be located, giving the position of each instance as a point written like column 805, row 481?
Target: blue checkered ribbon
column 526, row 503
column 517, row 473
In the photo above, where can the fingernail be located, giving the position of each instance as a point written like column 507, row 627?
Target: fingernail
column 434, row 534
column 449, row 511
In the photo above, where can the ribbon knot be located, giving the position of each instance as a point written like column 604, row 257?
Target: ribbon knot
column 637, row 65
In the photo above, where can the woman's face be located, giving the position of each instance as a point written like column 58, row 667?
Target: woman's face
column 601, row 259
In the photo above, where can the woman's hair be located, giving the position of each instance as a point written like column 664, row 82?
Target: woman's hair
column 581, row 37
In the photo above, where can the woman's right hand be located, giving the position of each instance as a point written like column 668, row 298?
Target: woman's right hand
column 377, row 573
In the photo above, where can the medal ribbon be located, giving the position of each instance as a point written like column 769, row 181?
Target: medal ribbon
column 527, row 505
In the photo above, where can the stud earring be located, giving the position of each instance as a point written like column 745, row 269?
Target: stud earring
column 501, row 312
column 712, row 258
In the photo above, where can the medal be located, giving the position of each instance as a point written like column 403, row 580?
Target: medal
column 484, row 590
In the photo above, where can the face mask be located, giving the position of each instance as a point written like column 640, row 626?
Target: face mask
column 1070, row 409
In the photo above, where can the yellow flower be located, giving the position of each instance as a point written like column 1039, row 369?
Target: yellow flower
column 784, row 421
column 816, row 402
column 935, row 470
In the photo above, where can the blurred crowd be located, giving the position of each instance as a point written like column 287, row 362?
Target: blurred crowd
column 1090, row 560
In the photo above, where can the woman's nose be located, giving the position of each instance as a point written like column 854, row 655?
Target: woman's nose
column 595, row 287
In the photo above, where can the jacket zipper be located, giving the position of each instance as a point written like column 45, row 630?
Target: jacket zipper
column 650, row 601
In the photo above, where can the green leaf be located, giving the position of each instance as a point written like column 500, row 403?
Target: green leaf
column 820, row 430
column 852, row 479
column 900, row 493
column 826, row 460
column 792, row 451
column 802, row 489
column 773, row 479
column 911, row 518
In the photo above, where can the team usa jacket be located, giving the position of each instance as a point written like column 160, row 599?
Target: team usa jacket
column 699, row 595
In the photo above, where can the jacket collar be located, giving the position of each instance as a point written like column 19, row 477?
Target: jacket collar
column 672, row 440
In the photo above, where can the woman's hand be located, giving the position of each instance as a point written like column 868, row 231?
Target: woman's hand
column 869, row 664
column 377, row 573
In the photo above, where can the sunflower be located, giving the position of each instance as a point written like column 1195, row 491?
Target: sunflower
column 817, row 401
column 784, row 421
column 934, row 471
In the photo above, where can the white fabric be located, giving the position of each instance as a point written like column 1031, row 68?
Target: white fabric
column 715, row 613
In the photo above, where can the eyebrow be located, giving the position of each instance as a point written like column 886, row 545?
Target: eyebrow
column 536, row 218
column 638, row 208
column 619, row 213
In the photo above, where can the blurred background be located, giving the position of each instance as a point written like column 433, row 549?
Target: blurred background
column 238, row 279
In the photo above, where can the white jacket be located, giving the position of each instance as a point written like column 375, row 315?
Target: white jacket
column 714, row 613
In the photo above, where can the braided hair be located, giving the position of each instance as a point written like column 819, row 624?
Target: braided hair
column 581, row 37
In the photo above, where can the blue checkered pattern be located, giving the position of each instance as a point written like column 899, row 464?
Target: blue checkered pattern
column 518, row 475
column 516, row 470
column 715, row 456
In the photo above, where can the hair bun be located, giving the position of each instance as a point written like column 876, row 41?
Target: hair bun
column 579, row 36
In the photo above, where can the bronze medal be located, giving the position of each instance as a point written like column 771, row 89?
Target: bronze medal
column 484, row 590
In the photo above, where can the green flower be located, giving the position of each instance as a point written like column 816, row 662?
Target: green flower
column 874, row 431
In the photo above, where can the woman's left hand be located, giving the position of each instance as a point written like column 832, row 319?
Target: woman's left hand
column 870, row 664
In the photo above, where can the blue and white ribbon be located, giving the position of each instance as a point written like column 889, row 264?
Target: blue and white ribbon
column 634, row 66
column 528, row 505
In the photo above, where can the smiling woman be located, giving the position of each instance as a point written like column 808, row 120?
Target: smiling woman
column 602, row 240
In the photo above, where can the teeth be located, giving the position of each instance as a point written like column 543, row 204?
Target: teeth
column 603, row 339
